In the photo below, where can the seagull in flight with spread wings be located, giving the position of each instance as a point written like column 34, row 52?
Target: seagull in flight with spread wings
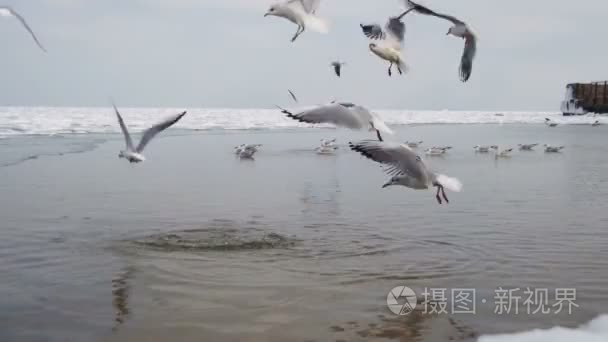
column 6, row 11
column 461, row 30
column 387, row 43
column 302, row 13
column 132, row 153
column 406, row 168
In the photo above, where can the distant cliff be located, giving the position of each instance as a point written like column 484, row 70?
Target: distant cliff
column 582, row 98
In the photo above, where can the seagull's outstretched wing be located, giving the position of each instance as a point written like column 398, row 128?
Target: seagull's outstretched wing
column 426, row 11
column 335, row 113
column 309, row 6
column 11, row 12
column 337, row 67
column 393, row 32
column 125, row 132
column 400, row 159
column 293, row 96
column 154, row 130
column 468, row 54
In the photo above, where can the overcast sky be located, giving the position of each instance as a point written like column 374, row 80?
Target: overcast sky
column 224, row 53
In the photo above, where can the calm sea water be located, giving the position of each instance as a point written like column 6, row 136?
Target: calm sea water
column 196, row 245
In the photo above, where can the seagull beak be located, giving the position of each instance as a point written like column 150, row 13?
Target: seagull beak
column 267, row 14
column 386, row 185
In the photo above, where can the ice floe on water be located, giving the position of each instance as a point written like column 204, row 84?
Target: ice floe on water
column 51, row 121
column 594, row 331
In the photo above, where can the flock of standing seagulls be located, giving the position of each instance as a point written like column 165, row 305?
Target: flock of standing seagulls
column 400, row 161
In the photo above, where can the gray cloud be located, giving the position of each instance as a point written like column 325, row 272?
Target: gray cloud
column 223, row 53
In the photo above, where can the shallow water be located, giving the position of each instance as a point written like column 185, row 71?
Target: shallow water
column 194, row 244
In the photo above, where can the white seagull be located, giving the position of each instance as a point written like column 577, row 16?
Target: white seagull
column 328, row 142
column 460, row 30
column 527, row 147
column 6, row 11
column 326, row 149
column 405, row 167
column 242, row 147
column 506, row 153
column 342, row 114
column 553, row 149
column 484, row 149
column 387, row 43
column 248, row 151
column 301, row 13
column 413, row 144
column 437, row 151
column 550, row 123
column 133, row 154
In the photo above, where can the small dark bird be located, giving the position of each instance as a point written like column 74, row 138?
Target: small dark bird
column 337, row 67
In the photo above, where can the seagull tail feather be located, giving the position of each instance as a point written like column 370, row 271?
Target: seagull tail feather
column 449, row 183
column 316, row 24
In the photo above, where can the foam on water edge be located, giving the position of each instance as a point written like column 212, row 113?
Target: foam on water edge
column 54, row 120
column 594, row 331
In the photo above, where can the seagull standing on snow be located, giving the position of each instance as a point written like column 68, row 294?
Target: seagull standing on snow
column 387, row 42
column 337, row 65
column 301, row 13
column 343, row 114
column 6, row 11
column 133, row 154
column 461, row 30
column 406, row 167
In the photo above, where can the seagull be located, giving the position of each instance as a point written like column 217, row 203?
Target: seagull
column 550, row 123
column 502, row 154
column 342, row 114
column 248, row 151
column 461, row 30
column 553, row 149
column 132, row 154
column 326, row 149
column 328, row 143
column 413, row 144
column 527, row 147
column 387, row 43
column 437, row 151
column 6, row 11
column 484, row 149
column 405, row 167
column 301, row 13
column 596, row 123
column 238, row 149
column 242, row 147
column 293, row 96
column 337, row 65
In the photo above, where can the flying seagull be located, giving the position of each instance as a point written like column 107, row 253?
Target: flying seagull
column 293, row 96
column 6, row 11
column 132, row 154
column 386, row 43
column 461, row 30
column 343, row 114
column 337, row 65
column 300, row 12
column 405, row 167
